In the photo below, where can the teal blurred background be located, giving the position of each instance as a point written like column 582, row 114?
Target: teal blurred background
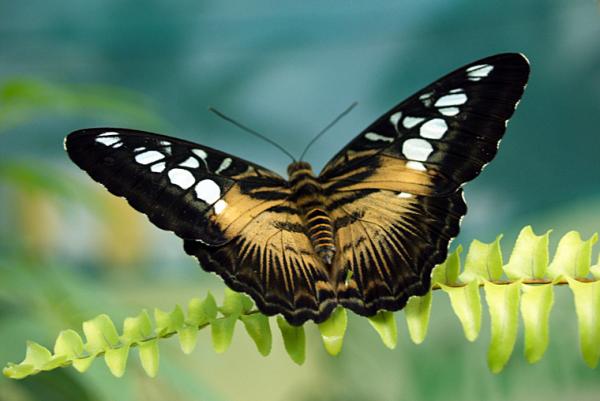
column 69, row 251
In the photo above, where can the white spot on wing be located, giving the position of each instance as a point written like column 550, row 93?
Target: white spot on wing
column 148, row 157
column 224, row 165
column 449, row 111
column 415, row 166
column 394, row 118
column 417, row 149
column 454, row 99
column 405, row 195
column 118, row 145
column 477, row 72
column 434, row 129
column 108, row 138
column 220, row 206
column 410, row 122
column 158, row 167
column 208, row 191
column 372, row 136
column 182, row 178
column 200, row 153
column 426, row 99
column 190, row 162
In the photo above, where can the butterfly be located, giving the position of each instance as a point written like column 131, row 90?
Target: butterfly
column 365, row 233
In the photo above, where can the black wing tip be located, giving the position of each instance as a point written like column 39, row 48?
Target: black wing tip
column 98, row 130
column 514, row 59
column 85, row 132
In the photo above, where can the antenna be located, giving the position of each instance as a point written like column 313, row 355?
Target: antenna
column 251, row 131
column 331, row 124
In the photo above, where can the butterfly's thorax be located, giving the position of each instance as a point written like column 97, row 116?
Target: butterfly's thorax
column 307, row 194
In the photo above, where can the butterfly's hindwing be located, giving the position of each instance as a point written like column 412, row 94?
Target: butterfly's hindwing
column 388, row 242
column 273, row 260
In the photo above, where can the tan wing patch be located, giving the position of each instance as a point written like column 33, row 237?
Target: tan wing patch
column 387, row 243
column 272, row 259
column 281, row 251
column 389, row 173
column 237, row 210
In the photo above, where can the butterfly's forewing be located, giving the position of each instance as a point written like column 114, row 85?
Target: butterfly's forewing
column 439, row 138
column 233, row 215
column 395, row 190
column 181, row 186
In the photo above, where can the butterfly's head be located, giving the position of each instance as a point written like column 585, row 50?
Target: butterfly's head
column 300, row 167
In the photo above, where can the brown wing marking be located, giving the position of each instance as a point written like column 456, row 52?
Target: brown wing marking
column 272, row 260
column 241, row 209
column 388, row 246
column 390, row 173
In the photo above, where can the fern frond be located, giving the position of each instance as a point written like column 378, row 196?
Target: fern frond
column 524, row 285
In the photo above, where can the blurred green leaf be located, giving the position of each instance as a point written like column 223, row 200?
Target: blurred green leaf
column 149, row 356
column 447, row 272
column 188, row 337
column 18, row 371
column 529, row 258
column 136, row 329
column 69, row 344
column 595, row 270
column 483, row 261
column 333, row 330
column 536, row 304
column 100, row 334
column 202, row 312
column 573, row 256
column 587, row 306
column 25, row 99
column 37, row 355
column 168, row 322
column 232, row 303
column 55, row 362
column 83, row 364
column 222, row 332
column 258, row 328
column 384, row 323
column 503, row 306
column 247, row 303
column 417, row 312
column 39, row 176
column 466, row 304
column 294, row 340
column 116, row 360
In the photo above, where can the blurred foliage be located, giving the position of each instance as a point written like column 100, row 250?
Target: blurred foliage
column 527, row 273
column 24, row 99
column 68, row 251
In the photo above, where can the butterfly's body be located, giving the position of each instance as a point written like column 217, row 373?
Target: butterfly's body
column 308, row 196
column 365, row 233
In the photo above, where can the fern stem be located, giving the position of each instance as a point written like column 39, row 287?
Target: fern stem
column 523, row 281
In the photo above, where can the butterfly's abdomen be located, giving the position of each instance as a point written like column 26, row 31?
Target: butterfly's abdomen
column 308, row 196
